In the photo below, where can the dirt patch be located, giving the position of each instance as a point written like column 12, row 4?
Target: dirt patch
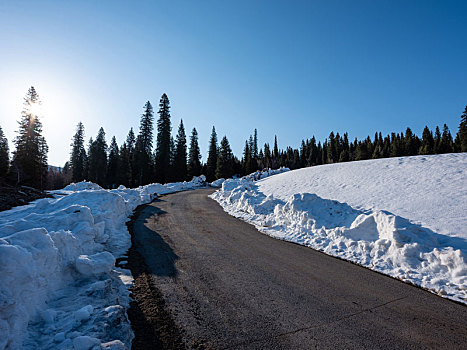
column 11, row 196
column 151, row 321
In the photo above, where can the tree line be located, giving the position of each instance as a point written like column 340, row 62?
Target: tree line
column 139, row 162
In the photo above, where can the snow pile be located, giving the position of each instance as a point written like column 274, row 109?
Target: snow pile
column 59, row 287
column 404, row 217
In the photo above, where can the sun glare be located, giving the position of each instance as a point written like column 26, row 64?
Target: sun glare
column 35, row 109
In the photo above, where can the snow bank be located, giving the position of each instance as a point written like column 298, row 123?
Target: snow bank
column 59, row 287
column 404, row 217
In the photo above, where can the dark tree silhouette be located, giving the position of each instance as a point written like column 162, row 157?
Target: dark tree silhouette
column 211, row 163
column 163, row 141
column 194, row 156
column 78, row 155
column 180, row 157
column 30, row 157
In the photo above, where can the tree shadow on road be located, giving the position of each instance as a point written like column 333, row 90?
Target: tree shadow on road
column 158, row 255
column 151, row 321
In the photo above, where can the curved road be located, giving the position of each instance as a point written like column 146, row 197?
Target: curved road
column 224, row 285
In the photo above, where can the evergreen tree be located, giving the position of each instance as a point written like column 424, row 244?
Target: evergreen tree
column 332, row 149
column 225, row 160
column 445, row 144
column 275, row 154
column 143, row 147
column 194, row 155
column 124, row 174
column 30, row 157
column 130, row 143
column 428, row 142
column 4, row 155
column 164, row 128
column 78, row 155
column 113, row 167
column 170, row 174
column 211, row 163
column 267, row 156
column 98, row 159
column 410, row 147
column 254, row 151
column 437, row 140
column 180, row 159
column 462, row 133
column 246, row 162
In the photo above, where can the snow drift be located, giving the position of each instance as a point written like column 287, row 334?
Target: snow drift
column 404, row 217
column 59, row 287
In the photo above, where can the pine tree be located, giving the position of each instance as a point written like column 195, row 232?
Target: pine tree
column 225, row 159
column 445, row 144
column 410, row 147
column 4, row 155
column 180, row 159
column 211, row 163
column 427, row 146
column 78, row 155
column 246, row 161
column 267, row 156
column 143, row 147
column 130, row 143
column 437, row 140
column 163, row 141
column 124, row 174
column 113, row 167
column 462, row 133
column 332, row 149
column 275, row 154
column 30, row 157
column 194, row 155
column 98, row 159
column 254, row 151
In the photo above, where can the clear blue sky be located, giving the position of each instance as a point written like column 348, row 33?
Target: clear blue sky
column 291, row 68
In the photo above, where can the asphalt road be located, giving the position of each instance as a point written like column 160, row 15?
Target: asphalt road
column 227, row 286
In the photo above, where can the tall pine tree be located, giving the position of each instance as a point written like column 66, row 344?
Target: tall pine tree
column 113, row 167
column 30, row 157
column 225, row 159
column 143, row 147
column 78, row 155
column 98, row 159
column 180, row 158
column 194, row 156
column 211, row 164
column 162, row 155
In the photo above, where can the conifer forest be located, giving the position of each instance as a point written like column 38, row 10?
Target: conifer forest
column 155, row 154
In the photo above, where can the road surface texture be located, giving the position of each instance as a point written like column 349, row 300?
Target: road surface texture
column 206, row 280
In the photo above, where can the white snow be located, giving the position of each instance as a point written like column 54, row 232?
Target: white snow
column 405, row 217
column 59, row 287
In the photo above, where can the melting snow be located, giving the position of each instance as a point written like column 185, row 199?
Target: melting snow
column 405, row 217
column 59, row 287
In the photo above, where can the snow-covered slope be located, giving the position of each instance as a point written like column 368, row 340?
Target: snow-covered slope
column 405, row 217
column 59, row 287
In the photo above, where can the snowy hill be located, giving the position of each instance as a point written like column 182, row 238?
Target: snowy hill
column 405, row 217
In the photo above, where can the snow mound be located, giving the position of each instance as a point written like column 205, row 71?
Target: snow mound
column 363, row 232
column 59, row 287
column 81, row 186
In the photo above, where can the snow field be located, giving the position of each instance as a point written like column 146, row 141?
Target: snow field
column 59, row 287
column 405, row 217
